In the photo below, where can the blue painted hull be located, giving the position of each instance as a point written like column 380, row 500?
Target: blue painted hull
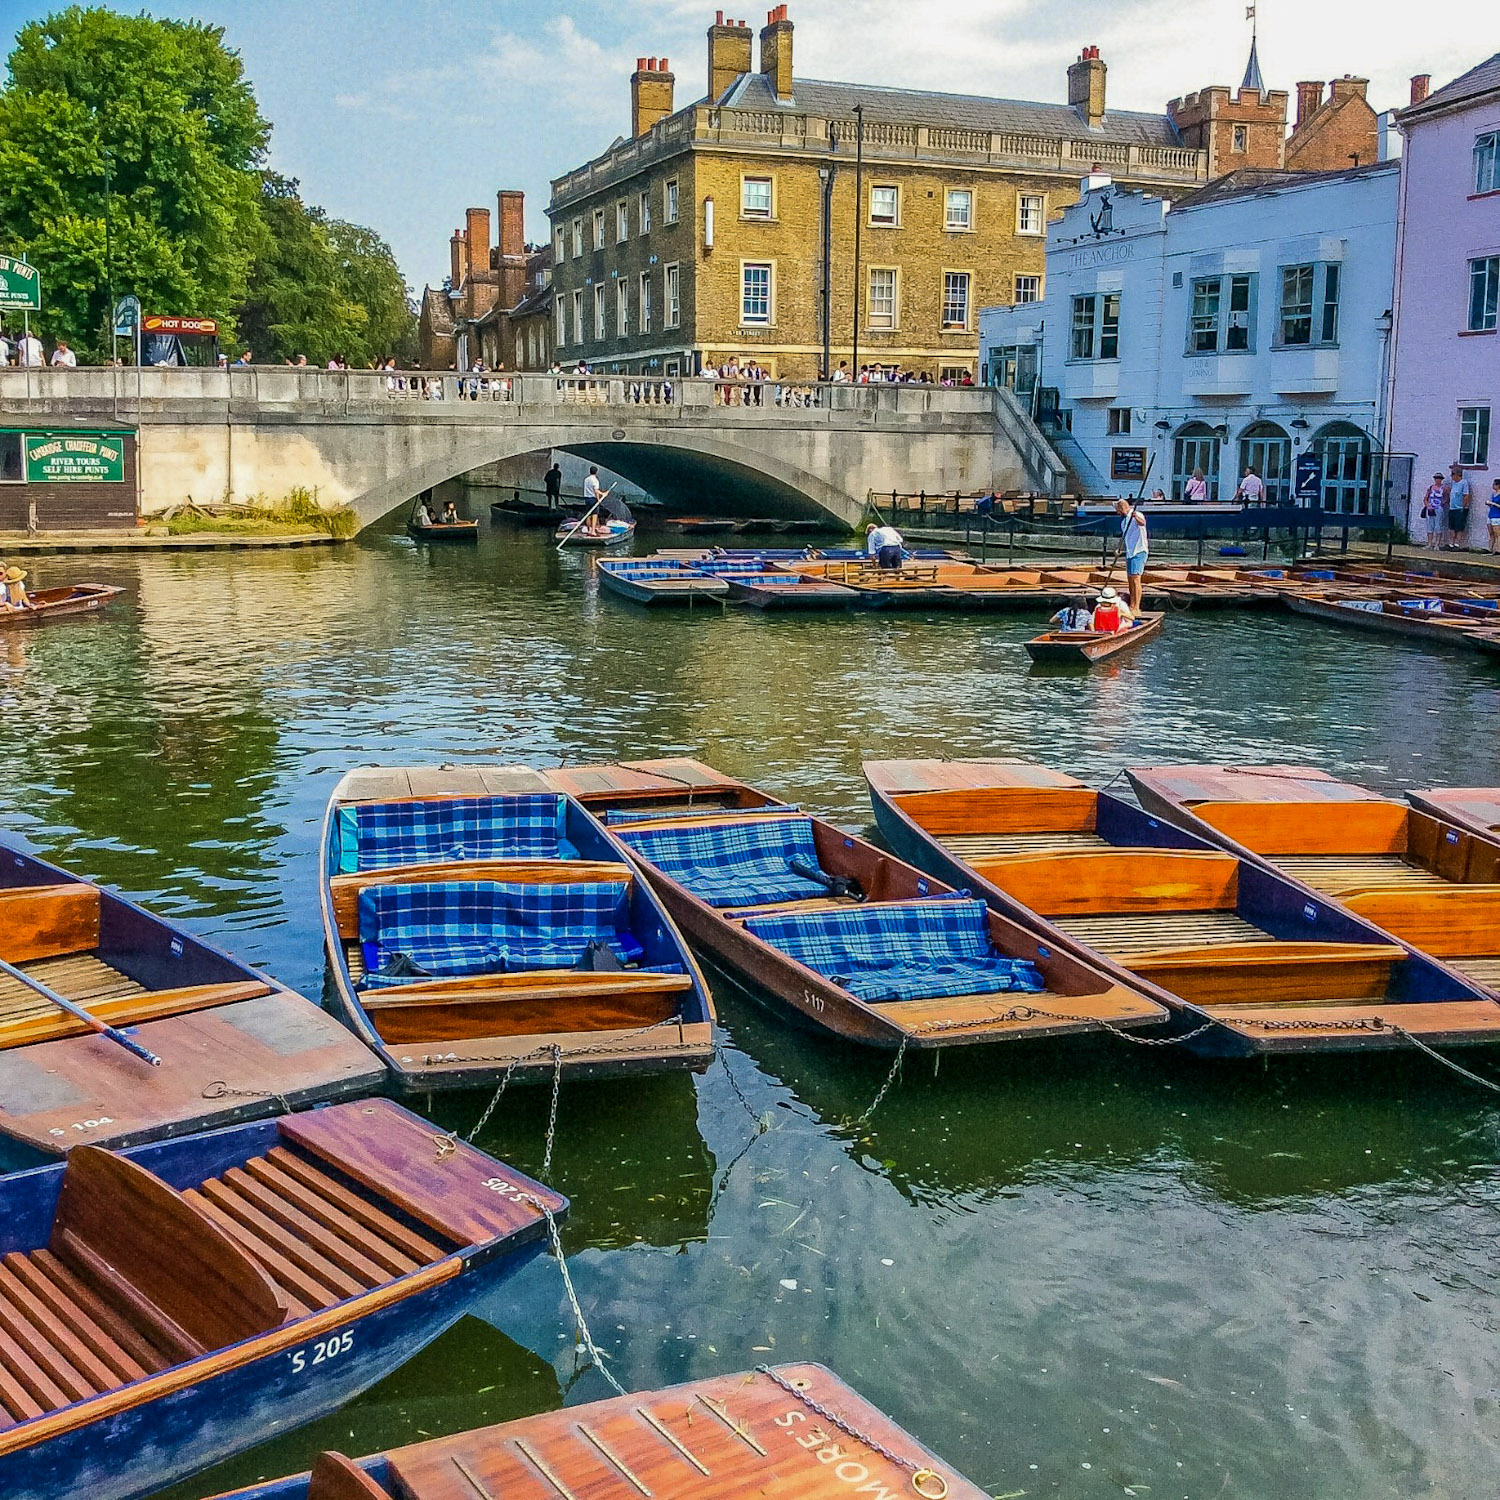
column 148, row 1447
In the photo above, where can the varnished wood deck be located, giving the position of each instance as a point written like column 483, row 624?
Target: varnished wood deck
column 80, row 977
column 1124, row 937
column 1338, row 874
column 969, row 846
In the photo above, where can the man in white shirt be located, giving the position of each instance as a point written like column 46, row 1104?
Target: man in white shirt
column 1252, row 490
column 1133, row 539
column 63, row 357
column 884, row 544
column 841, row 375
column 31, row 351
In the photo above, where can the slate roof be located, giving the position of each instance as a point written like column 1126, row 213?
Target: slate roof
column 437, row 309
column 957, row 111
column 1485, row 79
column 1248, row 182
column 1252, row 79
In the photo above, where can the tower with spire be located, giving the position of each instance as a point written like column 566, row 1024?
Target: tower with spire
column 1252, row 79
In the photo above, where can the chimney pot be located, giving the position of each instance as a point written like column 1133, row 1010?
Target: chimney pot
column 666, row 66
column 1420, row 84
column 640, row 64
column 718, row 18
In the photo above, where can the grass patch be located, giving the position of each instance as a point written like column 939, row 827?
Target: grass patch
column 294, row 514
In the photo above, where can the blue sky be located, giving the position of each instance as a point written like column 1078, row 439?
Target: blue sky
column 400, row 113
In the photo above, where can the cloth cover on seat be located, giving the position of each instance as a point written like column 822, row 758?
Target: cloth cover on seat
column 900, row 950
column 733, row 864
column 488, row 927
column 378, row 835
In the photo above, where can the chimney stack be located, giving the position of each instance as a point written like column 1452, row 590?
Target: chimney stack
column 456, row 259
column 510, row 257
column 776, row 52
column 477, row 241
column 1086, row 86
column 650, row 93
column 1421, row 85
column 1348, row 87
column 1309, row 99
column 728, row 55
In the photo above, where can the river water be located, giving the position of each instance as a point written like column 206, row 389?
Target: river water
column 1075, row 1270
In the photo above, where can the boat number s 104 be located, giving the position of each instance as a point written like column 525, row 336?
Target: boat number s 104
column 322, row 1351
column 83, row 1125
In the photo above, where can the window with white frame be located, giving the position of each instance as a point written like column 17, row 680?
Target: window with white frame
column 1484, row 293
column 577, row 238
column 1096, row 326
column 669, row 202
column 1028, row 289
column 622, row 221
column 755, row 197
column 885, row 204
column 559, row 244
column 958, row 209
column 598, row 229
column 578, row 317
column 1474, row 436
column 673, row 298
column 560, row 332
column 1031, row 214
column 955, row 299
column 1240, row 139
column 1119, row 421
column 1487, row 162
column 882, row 305
column 599, row 312
column 644, row 312
column 1220, row 319
column 755, row 292
column 1309, row 313
column 622, row 308
column 644, row 212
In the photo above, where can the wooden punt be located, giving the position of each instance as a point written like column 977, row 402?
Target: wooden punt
column 1444, row 624
column 1082, row 648
column 532, row 513
column 1475, row 809
column 786, row 590
column 615, row 533
column 443, row 531
column 751, row 1436
column 1432, row 884
column 649, row 803
column 653, row 581
column 166, row 1307
column 52, row 604
column 234, row 1044
column 488, row 879
column 1215, row 935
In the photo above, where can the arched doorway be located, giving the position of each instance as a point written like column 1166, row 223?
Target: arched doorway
column 1347, row 455
column 1267, row 449
column 1196, row 446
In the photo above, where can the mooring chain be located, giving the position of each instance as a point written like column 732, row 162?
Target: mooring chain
column 885, row 1087
column 1447, row 1062
column 218, row 1089
column 926, row 1482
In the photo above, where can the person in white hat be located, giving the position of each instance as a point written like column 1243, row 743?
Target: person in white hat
column 1112, row 612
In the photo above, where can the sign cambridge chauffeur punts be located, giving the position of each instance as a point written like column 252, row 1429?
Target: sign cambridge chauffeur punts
column 74, row 457
column 20, row 285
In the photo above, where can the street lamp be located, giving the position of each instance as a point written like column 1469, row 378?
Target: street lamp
column 859, row 214
column 109, row 261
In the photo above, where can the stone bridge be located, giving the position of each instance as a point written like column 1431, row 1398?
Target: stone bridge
column 374, row 440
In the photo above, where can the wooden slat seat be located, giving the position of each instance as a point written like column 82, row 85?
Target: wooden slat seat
column 1340, row 873
column 1484, row 970
column 998, row 845
column 1122, row 937
column 81, row 977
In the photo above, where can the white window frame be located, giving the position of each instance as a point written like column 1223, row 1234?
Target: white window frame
column 1239, row 139
column 560, row 244
column 598, row 229
column 893, row 318
column 672, row 296
column 894, row 221
column 1487, row 163
column 644, row 303
column 643, row 208
column 948, row 325
column 599, row 312
column 669, row 204
column 1474, row 436
column 1031, row 213
column 1484, row 294
column 965, row 225
column 1119, row 421
column 622, row 308
column 1090, row 313
column 577, row 237
column 1327, row 286
column 578, row 315
column 1216, row 335
column 622, row 221
column 560, row 331
column 758, row 211
column 746, row 268
column 1034, row 286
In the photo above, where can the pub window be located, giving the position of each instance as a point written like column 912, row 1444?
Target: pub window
column 1309, row 304
column 1096, row 326
column 1484, row 294
column 1474, row 436
column 1487, row 162
column 1220, row 318
column 1119, row 421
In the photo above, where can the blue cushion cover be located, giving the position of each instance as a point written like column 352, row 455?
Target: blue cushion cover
column 733, row 864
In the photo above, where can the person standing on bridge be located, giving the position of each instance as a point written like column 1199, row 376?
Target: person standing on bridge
column 63, row 357
column 30, row 349
column 552, row 484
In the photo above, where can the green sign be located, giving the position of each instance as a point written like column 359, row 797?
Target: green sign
column 74, row 458
column 20, row 285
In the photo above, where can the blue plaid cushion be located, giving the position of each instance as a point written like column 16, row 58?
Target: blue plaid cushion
column 488, row 927
column 415, row 833
column 618, row 817
column 733, row 864
column 900, row 950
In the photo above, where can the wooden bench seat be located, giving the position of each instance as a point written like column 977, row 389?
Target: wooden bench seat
column 1341, row 874
column 1122, row 937
column 45, row 1022
column 971, row 846
column 44, row 921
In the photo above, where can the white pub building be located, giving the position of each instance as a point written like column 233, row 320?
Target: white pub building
column 1246, row 324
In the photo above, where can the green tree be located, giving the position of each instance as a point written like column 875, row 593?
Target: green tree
column 369, row 276
column 166, row 107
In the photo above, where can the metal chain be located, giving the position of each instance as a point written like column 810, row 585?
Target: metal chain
column 499, row 1094
column 934, row 1490
column 1437, row 1056
column 1352, row 1023
column 1030, row 1012
column 885, row 1087
column 218, row 1089
column 552, row 1112
column 429, row 1059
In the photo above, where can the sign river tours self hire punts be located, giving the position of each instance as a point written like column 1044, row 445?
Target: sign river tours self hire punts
column 74, row 457
column 20, row 285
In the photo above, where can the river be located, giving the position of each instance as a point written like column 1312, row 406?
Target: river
column 1075, row 1270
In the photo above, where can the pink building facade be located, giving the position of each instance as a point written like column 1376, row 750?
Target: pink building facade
column 1445, row 366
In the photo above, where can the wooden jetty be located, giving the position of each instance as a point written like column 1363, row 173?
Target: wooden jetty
column 1233, row 947
column 832, row 931
column 233, row 1043
column 169, row 1306
column 1432, row 885
column 752, row 1436
column 479, row 925
column 1082, row 648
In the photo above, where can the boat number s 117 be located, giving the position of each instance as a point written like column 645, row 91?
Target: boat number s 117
column 322, row 1351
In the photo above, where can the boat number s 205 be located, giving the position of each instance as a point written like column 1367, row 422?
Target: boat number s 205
column 322, row 1351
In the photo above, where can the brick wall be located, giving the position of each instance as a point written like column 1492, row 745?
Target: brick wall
column 73, row 507
column 1341, row 128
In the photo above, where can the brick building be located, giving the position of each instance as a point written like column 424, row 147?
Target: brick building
column 705, row 235
column 496, row 304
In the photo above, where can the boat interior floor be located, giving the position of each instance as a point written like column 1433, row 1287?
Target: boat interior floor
column 1338, row 874
column 980, row 845
column 1124, row 937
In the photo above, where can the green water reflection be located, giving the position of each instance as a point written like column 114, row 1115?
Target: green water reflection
column 1076, row 1270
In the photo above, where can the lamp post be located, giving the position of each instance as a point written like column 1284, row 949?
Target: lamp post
column 109, row 261
column 859, row 214
column 826, row 174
